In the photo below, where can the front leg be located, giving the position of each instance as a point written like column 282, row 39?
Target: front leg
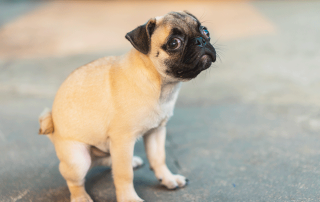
column 121, row 155
column 154, row 142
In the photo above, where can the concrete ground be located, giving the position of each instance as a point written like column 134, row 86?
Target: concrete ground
column 245, row 130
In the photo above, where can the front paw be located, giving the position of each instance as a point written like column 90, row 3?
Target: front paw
column 128, row 195
column 129, row 199
column 84, row 198
column 174, row 181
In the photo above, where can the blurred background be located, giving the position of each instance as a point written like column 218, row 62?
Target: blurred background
column 247, row 129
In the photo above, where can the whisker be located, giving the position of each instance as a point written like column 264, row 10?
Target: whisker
column 206, row 21
column 219, row 46
column 203, row 15
column 216, row 40
column 221, row 54
column 219, row 58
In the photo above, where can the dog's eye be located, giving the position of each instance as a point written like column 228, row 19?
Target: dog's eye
column 174, row 43
column 205, row 32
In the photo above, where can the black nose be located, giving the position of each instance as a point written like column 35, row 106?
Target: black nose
column 200, row 41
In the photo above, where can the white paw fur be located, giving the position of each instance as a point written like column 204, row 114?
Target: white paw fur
column 174, row 181
column 137, row 162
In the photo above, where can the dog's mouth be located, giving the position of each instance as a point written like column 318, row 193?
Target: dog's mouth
column 203, row 63
column 206, row 61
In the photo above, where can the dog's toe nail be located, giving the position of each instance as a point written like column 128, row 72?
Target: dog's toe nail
column 187, row 181
column 160, row 180
column 175, row 187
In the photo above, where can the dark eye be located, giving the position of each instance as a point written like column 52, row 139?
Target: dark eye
column 205, row 32
column 174, row 43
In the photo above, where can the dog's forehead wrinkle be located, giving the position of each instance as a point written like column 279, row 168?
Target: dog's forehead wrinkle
column 177, row 31
column 188, row 24
column 176, row 17
column 182, row 29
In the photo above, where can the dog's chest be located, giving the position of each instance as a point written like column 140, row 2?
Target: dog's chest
column 164, row 107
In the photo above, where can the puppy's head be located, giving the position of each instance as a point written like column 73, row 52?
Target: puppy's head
column 177, row 44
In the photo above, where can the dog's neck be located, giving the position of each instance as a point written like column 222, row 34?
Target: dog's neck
column 169, row 87
column 169, row 92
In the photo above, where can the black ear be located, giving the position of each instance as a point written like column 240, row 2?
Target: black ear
column 140, row 37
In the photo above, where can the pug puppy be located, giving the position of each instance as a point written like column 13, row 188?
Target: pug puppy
column 103, row 107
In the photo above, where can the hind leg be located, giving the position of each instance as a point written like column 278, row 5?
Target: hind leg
column 75, row 162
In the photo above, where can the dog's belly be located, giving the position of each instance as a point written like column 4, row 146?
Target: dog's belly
column 104, row 146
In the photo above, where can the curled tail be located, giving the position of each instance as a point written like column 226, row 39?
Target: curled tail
column 46, row 123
